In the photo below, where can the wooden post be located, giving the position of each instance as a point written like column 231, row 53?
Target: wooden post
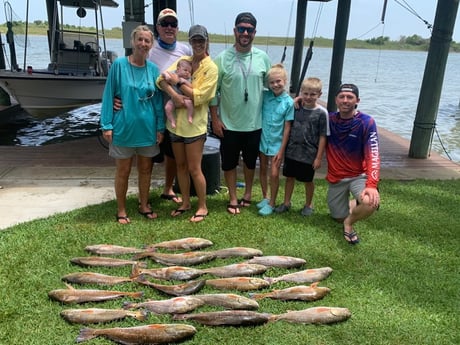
column 338, row 51
column 430, row 92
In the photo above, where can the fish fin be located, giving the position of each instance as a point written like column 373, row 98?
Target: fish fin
column 86, row 334
column 313, row 285
column 135, row 270
column 128, row 305
column 69, row 286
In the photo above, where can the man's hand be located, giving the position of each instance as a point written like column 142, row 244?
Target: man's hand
column 117, row 105
column 218, row 127
column 107, row 135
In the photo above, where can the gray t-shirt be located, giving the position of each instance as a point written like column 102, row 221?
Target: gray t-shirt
column 306, row 129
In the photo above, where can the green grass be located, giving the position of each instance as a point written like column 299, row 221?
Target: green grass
column 400, row 282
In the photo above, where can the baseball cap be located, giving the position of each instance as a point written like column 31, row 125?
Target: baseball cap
column 166, row 12
column 246, row 17
column 348, row 88
column 198, row 30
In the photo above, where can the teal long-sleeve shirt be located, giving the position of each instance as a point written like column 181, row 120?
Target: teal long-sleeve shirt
column 136, row 124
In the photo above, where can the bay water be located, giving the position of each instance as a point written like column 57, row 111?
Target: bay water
column 389, row 83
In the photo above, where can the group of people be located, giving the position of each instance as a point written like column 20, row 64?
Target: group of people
column 156, row 103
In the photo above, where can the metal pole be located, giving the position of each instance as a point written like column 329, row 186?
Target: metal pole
column 338, row 51
column 430, row 92
column 298, row 44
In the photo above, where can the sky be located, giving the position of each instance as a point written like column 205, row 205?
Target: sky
column 403, row 17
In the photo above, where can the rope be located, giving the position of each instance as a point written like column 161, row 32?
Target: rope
column 407, row 7
column 283, row 57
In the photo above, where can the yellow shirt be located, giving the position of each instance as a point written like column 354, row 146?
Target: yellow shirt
column 204, row 83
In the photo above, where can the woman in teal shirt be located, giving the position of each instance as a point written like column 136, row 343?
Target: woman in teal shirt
column 137, row 128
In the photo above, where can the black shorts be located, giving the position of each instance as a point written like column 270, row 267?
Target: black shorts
column 165, row 149
column 233, row 143
column 302, row 172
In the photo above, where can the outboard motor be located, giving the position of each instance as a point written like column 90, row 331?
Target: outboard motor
column 107, row 58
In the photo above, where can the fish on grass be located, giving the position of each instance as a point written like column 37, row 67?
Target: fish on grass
column 307, row 276
column 280, row 261
column 105, row 262
column 177, row 305
column 112, row 249
column 235, row 252
column 178, row 259
column 315, row 315
column 184, row 289
column 236, row 270
column 148, row 334
column 227, row 318
column 188, row 243
column 99, row 315
column 238, row 283
column 228, row 301
column 299, row 293
column 94, row 278
column 72, row 295
column 167, row 273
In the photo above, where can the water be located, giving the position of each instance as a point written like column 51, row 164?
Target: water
column 389, row 83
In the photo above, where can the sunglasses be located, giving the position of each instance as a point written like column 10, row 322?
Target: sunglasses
column 242, row 29
column 166, row 24
column 148, row 95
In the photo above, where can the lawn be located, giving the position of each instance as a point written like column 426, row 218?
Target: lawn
column 401, row 283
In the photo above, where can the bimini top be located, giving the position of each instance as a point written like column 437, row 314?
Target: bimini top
column 88, row 3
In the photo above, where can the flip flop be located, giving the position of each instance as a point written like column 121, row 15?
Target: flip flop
column 233, row 209
column 198, row 217
column 171, row 197
column 149, row 214
column 122, row 220
column 244, row 202
column 349, row 237
column 178, row 212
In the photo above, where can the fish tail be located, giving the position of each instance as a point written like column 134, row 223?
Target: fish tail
column 256, row 295
column 270, row 280
column 141, row 315
column 129, row 305
column 86, row 334
column 134, row 271
column 142, row 264
column 138, row 294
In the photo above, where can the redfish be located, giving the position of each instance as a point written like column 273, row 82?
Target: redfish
column 228, row 301
column 238, row 283
column 179, row 259
column 277, row 261
column 104, row 261
column 167, row 273
column 315, row 315
column 177, row 305
column 97, row 315
column 235, row 252
column 72, row 295
column 227, row 318
column 94, row 278
column 300, row 293
column 187, row 288
column 188, row 243
column 307, row 276
column 111, row 249
column 149, row 334
column 235, row 270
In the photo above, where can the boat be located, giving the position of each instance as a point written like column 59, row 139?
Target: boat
column 78, row 67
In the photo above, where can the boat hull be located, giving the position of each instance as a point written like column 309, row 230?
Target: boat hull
column 48, row 95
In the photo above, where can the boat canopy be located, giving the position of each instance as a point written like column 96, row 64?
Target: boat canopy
column 88, row 3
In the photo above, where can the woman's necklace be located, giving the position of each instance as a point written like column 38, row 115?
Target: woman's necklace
column 246, row 72
column 149, row 93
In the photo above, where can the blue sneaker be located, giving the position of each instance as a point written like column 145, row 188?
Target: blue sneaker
column 282, row 208
column 262, row 203
column 306, row 211
column 266, row 210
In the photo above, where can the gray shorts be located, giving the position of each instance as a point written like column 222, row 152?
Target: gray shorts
column 123, row 152
column 338, row 195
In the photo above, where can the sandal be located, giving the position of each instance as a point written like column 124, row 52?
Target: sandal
column 122, row 220
column 233, row 209
column 178, row 212
column 149, row 214
column 171, row 197
column 244, row 202
column 349, row 237
column 198, row 217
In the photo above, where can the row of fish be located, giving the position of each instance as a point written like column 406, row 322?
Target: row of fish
column 168, row 333
column 240, row 310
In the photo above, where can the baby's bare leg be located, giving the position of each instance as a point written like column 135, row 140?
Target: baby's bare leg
column 189, row 106
column 169, row 110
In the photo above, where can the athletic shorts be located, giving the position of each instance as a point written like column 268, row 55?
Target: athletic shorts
column 123, row 152
column 338, row 195
column 235, row 143
column 165, row 149
column 302, row 172
column 179, row 139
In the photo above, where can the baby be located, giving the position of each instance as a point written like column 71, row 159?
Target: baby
column 183, row 71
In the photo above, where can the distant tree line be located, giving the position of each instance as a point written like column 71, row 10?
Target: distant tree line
column 414, row 42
